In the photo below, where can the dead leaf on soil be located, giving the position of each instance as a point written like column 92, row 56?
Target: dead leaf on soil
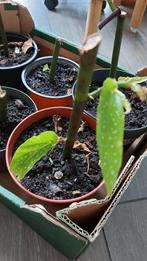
column 89, row 139
column 27, row 45
column 76, row 192
column 88, row 163
column 61, row 139
column 81, row 146
column 2, row 62
column 56, row 120
column 141, row 93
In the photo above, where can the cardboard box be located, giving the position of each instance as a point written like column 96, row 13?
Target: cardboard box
column 72, row 229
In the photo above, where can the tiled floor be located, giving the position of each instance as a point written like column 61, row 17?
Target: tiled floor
column 125, row 235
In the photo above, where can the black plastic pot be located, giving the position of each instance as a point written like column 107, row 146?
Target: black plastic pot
column 25, row 98
column 11, row 75
column 99, row 75
column 44, row 101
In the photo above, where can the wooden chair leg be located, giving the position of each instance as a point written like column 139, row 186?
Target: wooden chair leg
column 117, row 2
column 138, row 13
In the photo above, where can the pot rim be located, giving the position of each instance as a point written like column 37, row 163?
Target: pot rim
column 8, row 158
column 25, row 73
column 35, row 51
column 21, row 93
column 127, row 130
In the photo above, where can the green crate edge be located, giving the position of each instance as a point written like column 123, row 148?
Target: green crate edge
column 69, row 46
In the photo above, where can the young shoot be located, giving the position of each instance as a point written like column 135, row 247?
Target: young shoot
column 4, row 37
column 54, row 61
column 117, row 44
column 53, row 66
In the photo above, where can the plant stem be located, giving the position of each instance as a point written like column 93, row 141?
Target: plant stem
column 55, row 59
column 93, row 17
column 95, row 93
column 87, row 62
column 115, row 14
column 3, row 104
column 117, row 44
column 4, row 37
column 112, row 5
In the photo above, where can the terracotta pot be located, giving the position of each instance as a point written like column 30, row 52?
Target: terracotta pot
column 98, row 192
column 11, row 92
column 45, row 101
column 11, row 75
column 100, row 75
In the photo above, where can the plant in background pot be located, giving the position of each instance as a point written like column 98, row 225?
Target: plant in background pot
column 16, row 51
column 14, row 106
column 136, row 120
column 50, row 79
column 62, row 168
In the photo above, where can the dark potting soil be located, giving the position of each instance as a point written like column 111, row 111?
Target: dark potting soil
column 16, row 111
column 55, row 178
column 16, row 55
column 137, row 118
column 63, row 82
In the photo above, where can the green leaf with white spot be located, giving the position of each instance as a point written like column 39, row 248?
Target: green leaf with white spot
column 110, row 132
column 133, row 80
column 45, row 68
column 31, row 151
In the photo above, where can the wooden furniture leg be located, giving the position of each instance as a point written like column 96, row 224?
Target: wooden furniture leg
column 138, row 13
column 117, row 2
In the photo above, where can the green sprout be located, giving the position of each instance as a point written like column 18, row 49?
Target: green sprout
column 4, row 37
column 52, row 69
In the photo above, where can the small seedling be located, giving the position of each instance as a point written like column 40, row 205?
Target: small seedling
column 4, row 37
column 53, row 66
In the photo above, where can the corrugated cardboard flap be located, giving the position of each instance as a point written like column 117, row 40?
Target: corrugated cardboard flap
column 90, row 209
column 16, row 18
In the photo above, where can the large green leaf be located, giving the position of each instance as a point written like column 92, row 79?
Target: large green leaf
column 133, row 80
column 31, row 151
column 109, row 133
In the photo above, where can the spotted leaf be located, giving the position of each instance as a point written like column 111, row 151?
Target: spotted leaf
column 133, row 80
column 31, row 151
column 109, row 132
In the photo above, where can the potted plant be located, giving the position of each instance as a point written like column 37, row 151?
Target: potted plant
column 67, row 163
column 14, row 106
column 50, row 79
column 16, row 51
column 136, row 121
